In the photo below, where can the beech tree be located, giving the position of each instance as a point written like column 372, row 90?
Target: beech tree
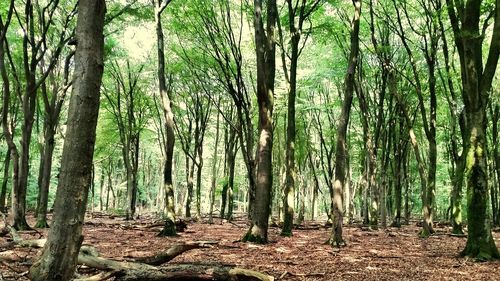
column 169, row 229
column 297, row 16
column 341, row 145
column 59, row 256
column 477, row 77
column 265, row 45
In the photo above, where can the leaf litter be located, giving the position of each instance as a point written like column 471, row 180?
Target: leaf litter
column 384, row 254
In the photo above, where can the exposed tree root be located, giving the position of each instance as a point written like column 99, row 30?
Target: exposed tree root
column 146, row 268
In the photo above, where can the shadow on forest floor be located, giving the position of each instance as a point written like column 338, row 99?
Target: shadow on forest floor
column 385, row 254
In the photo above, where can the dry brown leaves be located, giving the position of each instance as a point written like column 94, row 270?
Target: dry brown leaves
column 389, row 254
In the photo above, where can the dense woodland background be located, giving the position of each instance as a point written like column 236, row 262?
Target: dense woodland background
column 378, row 112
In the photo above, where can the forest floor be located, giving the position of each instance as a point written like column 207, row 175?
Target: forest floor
column 385, row 254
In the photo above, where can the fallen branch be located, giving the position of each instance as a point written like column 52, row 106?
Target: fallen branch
column 174, row 251
column 133, row 271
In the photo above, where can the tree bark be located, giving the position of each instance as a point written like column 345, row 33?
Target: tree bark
column 265, row 51
column 476, row 84
column 214, row 170
column 5, row 180
column 339, row 182
column 169, row 229
column 60, row 253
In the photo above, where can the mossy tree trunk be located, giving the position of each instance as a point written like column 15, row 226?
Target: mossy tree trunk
column 476, row 83
column 169, row 228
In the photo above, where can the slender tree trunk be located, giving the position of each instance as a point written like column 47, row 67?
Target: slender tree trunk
column 189, row 185
column 230, row 169
column 291, row 170
column 59, row 256
column 46, row 173
column 6, row 125
column 315, row 187
column 339, row 183
column 198, row 186
column 101, row 189
column 214, row 171
column 5, row 180
column 496, row 165
column 169, row 229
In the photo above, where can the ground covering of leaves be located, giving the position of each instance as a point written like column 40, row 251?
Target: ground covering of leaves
column 385, row 254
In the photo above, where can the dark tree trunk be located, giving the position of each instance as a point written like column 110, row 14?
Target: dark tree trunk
column 41, row 221
column 189, row 186
column 214, row 170
column 495, row 117
column 59, row 256
column 265, row 52
column 476, row 84
column 5, row 180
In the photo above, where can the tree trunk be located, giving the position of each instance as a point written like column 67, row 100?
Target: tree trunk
column 59, row 256
column 214, row 171
column 5, row 180
column 46, row 172
column 169, row 229
column 265, row 53
column 315, row 187
column 230, row 158
column 476, row 84
column 291, row 170
column 343, row 122
column 8, row 129
column 189, row 185
column 496, row 165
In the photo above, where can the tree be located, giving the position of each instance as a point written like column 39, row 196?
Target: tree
column 300, row 13
column 128, row 106
column 59, row 256
column 35, row 41
column 6, row 125
column 477, row 77
column 265, row 46
column 341, row 145
column 169, row 229
column 53, row 103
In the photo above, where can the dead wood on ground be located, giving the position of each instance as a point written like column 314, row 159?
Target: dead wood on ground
column 147, row 268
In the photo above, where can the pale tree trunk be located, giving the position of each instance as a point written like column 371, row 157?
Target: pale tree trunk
column 266, row 67
column 339, row 181
column 169, row 229
column 59, row 256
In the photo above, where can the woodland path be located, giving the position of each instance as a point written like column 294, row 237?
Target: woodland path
column 390, row 254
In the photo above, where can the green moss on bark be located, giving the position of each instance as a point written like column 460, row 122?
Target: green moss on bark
column 168, row 229
column 249, row 237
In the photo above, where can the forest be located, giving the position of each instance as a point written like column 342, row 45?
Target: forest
column 249, row 140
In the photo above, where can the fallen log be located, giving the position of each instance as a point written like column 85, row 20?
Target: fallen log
column 174, row 251
column 146, row 268
column 185, row 272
